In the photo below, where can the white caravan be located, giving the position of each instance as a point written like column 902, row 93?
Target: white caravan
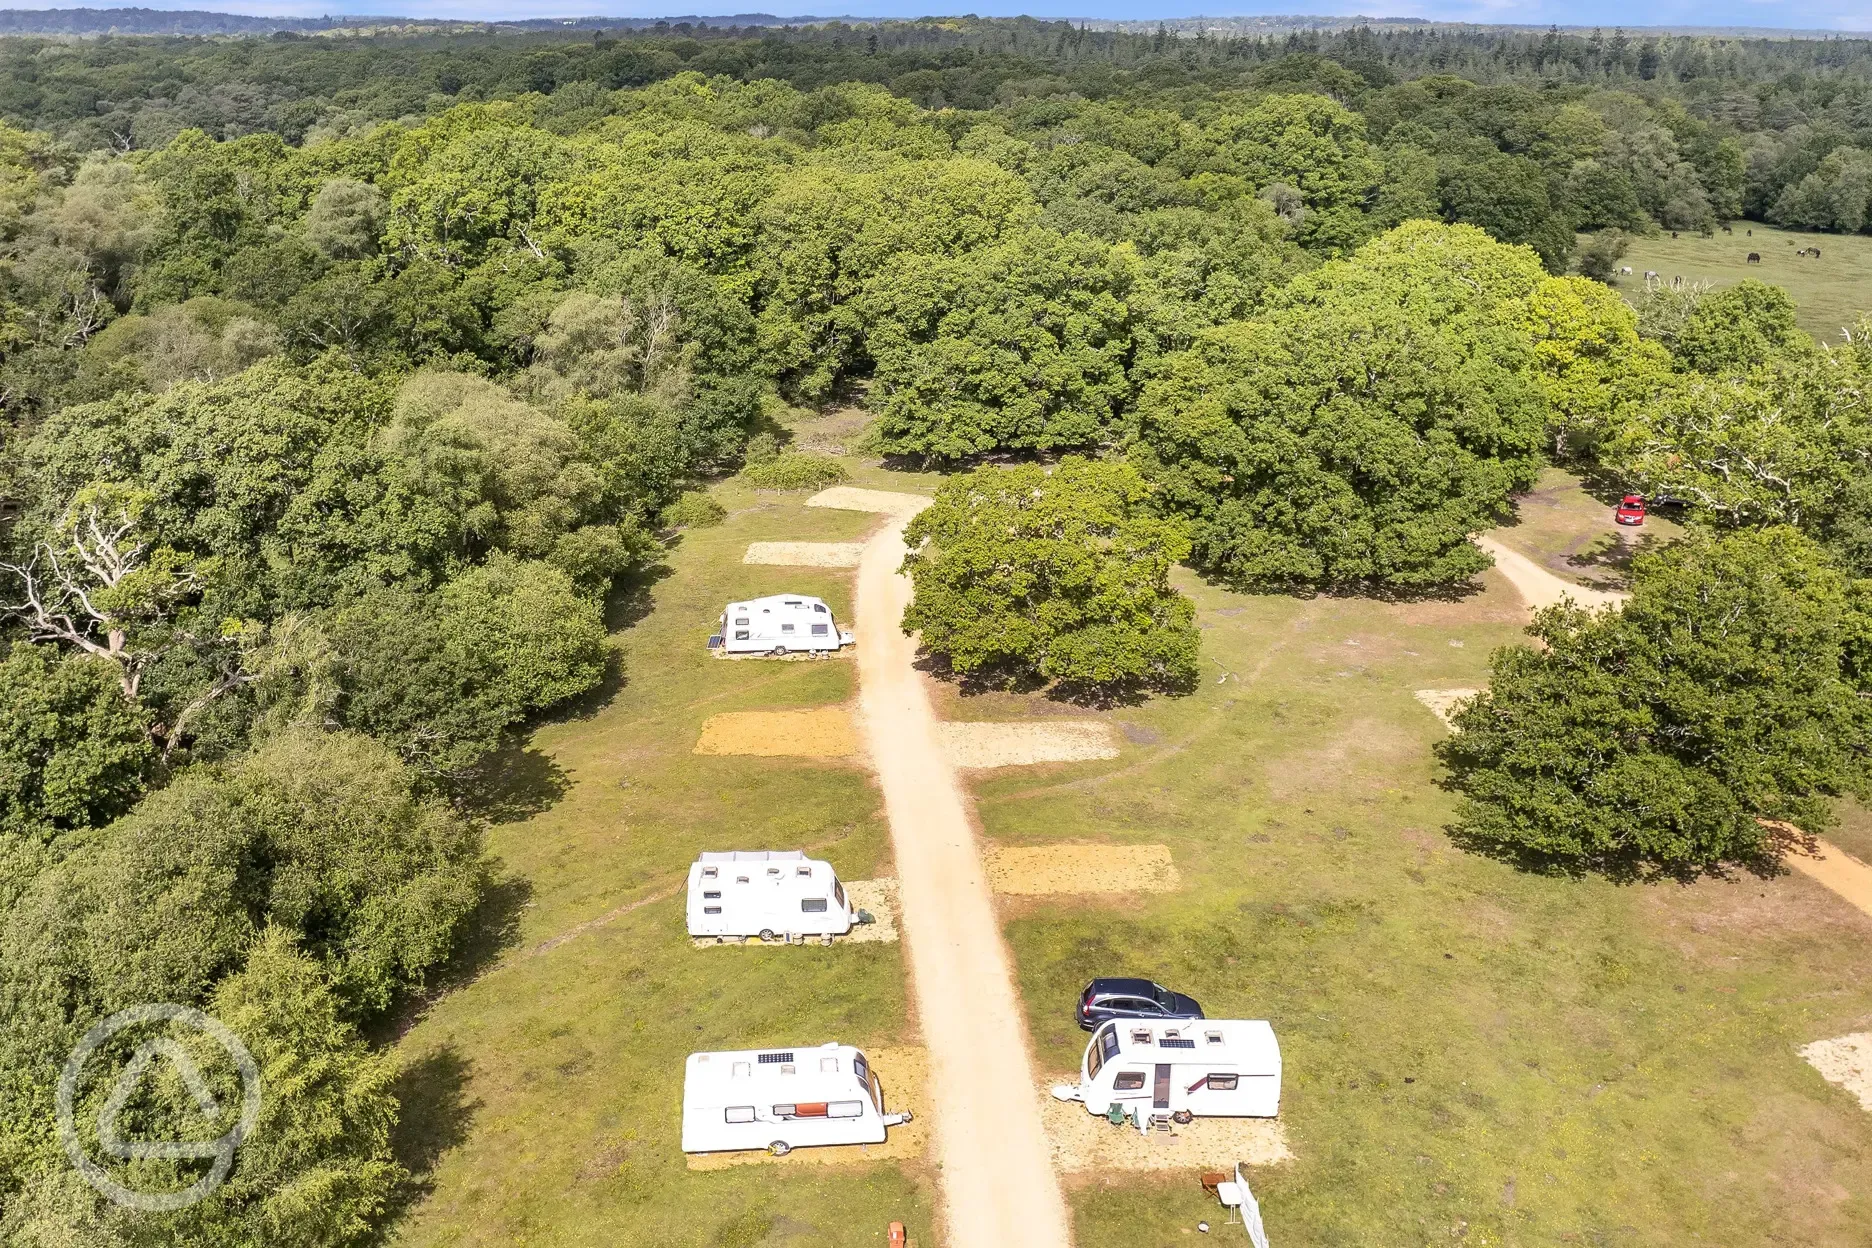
column 780, row 624
column 782, row 1099
column 766, row 893
column 1149, row 1072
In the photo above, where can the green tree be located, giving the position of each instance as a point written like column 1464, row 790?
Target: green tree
column 316, row 1168
column 441, row 677
column 1724, row 692
column 74, row 751
column 1599, row 257
column 1785, row 443
column 1060, row 575
column 1508, row 197
column 1737, row 327
column 1378, row 414
column 1020, row 345
column 323, row 834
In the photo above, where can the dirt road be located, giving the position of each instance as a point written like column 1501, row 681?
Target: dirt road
column 1539, row 587
column 999, row 1189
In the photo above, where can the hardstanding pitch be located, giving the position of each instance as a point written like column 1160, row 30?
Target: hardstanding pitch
column 1044, row 870
column 823, row 733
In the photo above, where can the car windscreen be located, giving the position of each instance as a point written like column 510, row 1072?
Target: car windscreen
column 1164, row 997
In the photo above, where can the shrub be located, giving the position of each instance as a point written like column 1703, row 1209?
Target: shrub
column 694, row 510
column 795, row 470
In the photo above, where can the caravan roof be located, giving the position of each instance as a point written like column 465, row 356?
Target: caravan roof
column 1248, row 1043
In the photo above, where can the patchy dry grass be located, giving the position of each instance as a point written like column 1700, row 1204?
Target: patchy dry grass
column 1472, row 1052
column 545, row 1094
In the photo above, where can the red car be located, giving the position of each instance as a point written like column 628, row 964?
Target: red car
column 1630, row 510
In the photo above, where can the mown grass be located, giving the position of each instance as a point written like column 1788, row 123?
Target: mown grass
column 1830, row 292
column 1473, row 1052
column 545, row 1094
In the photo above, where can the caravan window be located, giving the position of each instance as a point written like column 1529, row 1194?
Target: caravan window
column 1104, row 1045
column 820, row 608
column 1222, row 1083
column 802, row 870
column 861, row 1070
column 845, row 1109
column 786, row 628
column 1128, row 1081
column 741, row 622
column 741, row 634
column 838, row 893
column 714, row 896
column 812, row 905
column 708, row 873
column 711, row 909
column 739, row 1113
column 821, row 630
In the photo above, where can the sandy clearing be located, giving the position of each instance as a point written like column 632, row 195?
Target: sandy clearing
column 1836, row 869
column 1015, row 745
column 904, row 1072
column 826, row 732
column 1847, row 1061
column 998, row 1185
column 885, row 502
column 1539, row 587
column 805, row 554
column 1442, row 702
column 1082, row 1142
column 878, row 896
column 1050, row 870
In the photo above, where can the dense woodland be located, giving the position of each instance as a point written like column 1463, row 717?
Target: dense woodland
column 348, row 385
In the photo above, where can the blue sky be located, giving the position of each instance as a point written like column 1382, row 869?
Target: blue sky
column 1842, row 15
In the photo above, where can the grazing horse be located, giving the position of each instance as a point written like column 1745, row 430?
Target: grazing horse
column 1814, row 252
column 1626, row 271
column 1727, row 230
column 1673, row 233
column 1754, row 257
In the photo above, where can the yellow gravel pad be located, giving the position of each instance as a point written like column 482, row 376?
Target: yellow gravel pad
column 1846, row 1061
column 1046, row 870
column 1081, row 1142
column 805, row 554
column 904, row 1072
column 855, row 498
column 823, row 733
column 1017, row 745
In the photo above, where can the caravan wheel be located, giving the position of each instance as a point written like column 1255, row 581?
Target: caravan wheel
column 766, row 933
column 779, row 1148
column 778, row 652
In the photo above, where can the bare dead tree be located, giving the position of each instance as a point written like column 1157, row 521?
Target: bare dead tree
column 63, row 583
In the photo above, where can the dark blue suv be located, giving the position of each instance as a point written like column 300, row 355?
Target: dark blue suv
column 1131, row 998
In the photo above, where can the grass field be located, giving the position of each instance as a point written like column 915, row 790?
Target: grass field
column 1830, row 292
column 1472, row 1053
column 546, row 1093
